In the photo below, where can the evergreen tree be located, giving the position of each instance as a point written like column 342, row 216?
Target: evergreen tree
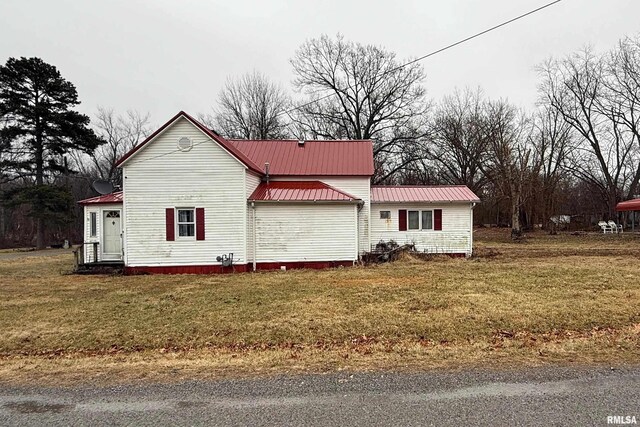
column 40, row 125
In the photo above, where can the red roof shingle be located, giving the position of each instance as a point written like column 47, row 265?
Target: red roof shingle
column 106, row 198
column 299, row 191
column 313, row 158
column 415, row 193
column 628, row 205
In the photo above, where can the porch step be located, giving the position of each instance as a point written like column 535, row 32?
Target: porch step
column 101, row 267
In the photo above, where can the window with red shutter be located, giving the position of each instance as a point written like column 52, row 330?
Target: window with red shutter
column 437, row 219
column 199, row 223
column 170, row 224
column 402, row 220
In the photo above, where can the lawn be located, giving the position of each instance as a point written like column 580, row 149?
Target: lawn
column 550, row 299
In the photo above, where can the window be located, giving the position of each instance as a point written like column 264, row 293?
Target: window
column 414, row 220
column 420, row 220
column 94, row 224
column 186, row 222
column 385, row 214
column 427, row 220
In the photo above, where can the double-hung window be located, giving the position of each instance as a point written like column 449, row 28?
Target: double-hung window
column 426, row 220
column 93, row 224
column 420, row 220
column 186, row 222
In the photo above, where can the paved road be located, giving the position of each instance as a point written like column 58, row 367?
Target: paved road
column 541, row 397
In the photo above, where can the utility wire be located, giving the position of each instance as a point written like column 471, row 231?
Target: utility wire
column 435, row 52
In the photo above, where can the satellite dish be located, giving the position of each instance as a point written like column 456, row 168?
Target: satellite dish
column 102, row 186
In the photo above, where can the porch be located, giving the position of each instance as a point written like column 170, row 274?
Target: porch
column 87, row 261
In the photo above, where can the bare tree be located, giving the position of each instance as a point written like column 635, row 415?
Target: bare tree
column 595, row 96
column 121, row 133
column 250, row 107
column 508, row 164
column 551, row 144
column 459, row 139
column 359, row 91
column 623, row 85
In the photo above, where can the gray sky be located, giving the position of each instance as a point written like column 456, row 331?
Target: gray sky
column 163, row 56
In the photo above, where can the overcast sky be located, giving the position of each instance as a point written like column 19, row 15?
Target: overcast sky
column 162, row 56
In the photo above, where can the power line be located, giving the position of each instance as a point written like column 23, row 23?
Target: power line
column 435, row 52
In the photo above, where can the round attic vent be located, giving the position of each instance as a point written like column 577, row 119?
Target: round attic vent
column 185, row 144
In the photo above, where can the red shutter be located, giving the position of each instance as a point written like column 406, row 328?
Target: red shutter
column 437, row 219
column 171, row 225
column 199, row 223
column 402, row 220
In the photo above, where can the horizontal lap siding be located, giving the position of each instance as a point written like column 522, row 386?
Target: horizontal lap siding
column 455, row 236
column 305, row 232
column 251, row 183
column 359, row 187
column 204, row 177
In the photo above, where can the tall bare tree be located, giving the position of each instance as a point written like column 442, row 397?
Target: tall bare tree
column 459, row 139
column 551, row 145
column 508, row 165
column 597, row 96
column 250, row 107
column 121, row 132
column 360, row 91
column 623, row 84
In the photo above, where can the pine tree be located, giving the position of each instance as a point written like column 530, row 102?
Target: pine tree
column 36, row 104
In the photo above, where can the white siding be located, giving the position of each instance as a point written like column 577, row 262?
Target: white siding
column 455, row 237
column 305, row 232
column 88, row 240
column 357, row 186
column 251, row 182
column 205, row 177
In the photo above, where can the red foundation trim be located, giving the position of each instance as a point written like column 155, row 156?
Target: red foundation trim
column 457, row 255
column 316, row 265
column 186, row 269
column 238, row 268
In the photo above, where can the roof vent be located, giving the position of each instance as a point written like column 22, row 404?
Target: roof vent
column 185, row 144
column 301, row 143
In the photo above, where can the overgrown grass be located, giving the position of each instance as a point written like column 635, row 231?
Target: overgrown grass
column 551, row 298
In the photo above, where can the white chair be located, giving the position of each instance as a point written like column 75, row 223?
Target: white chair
column 606, row 228
column 616, row 227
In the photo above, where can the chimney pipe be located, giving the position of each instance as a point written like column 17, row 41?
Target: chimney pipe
column 266, row 171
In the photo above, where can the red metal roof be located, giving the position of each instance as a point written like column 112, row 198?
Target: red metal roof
column 107, row 198
column 628, row 205
column 220, row 140
column 288, row 157
column 415, row 193
column 299, row 191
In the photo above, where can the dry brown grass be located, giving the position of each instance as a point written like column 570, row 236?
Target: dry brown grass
column 550, row 299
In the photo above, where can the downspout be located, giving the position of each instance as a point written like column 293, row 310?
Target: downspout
column 253, row 232
column 360, row 206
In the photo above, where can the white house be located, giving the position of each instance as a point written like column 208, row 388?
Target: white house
column 194, row 202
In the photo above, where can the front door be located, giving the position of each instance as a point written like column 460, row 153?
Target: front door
column 112, row 235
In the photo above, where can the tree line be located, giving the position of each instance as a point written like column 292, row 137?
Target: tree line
column 576, row 153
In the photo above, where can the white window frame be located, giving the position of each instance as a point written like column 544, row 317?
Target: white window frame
column 93, row 224
column 178, row 223
column 432, row 219
column 420, row 225
column 388, row 215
